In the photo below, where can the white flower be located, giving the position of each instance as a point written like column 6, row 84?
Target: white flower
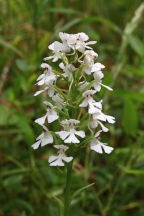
column 89, row 58
column 69, row 123
column 76, row 41
column 58, row 160
column 68, row 40
column 57, row 98
column 81, row 45
column 97, row 67
column 49, row 88
column 98, row 146
column 93, row 106
column 83, row 85
column 47, row 77
column 56, row 47
column 101, row 116
column 95, row 123
column 69, row 134
column 68, row 69
column 98, row 75
column 51, row 115
column 44, row 139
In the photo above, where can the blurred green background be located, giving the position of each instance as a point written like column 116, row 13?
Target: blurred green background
column 28, row 186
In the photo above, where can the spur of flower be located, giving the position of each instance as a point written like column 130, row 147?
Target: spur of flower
column 74, row 108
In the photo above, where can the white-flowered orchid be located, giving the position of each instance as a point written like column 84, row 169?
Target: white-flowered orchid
column 56, row 48
column 68, row 70
column 49, row 88
column 69, row 135
column 89, row 57
column 43, row 139
column 98, row 75
column 76, row 41
column 83, row 85
column 97, row 67
column 81, row 43
column 68, row 39
column 98, row 146
column 51, row 115
column 57, row 98
column 77, row 75
column 58, row 160
column 103, row 117
column 93, row 106
column 47, row 77
column 94, row 123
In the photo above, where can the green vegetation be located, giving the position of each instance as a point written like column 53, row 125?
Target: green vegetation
column 28, row 186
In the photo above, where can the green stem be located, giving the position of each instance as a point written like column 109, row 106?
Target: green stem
column 67, row 192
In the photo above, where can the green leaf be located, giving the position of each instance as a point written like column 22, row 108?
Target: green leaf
column 68, row 25
column 4, row 116
column 16, row 179
column 133, row 171
column 24, row 125
column 103, row 20
column 135, row 71
column 136, row 44
column 130, row 118
column 63, row 10
column 60, row 204
column 77, row 21
column 81, row 189
column 7, row 45
column 21, row 64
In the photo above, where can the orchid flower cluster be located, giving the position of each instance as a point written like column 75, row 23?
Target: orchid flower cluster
column 70, row 102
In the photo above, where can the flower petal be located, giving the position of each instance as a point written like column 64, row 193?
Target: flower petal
column 109, row 88
column 52, row 158
column 36, row 144
column 63, row 134
column 97, row 148
column 71, row 139
column 92, row 108
column 110, row 119
column 41, row 77
column 58, row 162
column 98, row 133
column 47, row 139
column 38, row 92
column 52, row 116
column 80, row 133
column 84, row 103
column 103, row 127
column 107, row 149
column 67, row 159
column 41, row 120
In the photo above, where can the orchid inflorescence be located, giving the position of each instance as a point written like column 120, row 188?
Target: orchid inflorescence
column 71, row 93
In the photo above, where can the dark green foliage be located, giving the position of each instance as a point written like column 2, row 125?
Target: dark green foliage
column 28, row 186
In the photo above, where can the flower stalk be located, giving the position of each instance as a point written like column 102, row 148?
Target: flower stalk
column 67, row 199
